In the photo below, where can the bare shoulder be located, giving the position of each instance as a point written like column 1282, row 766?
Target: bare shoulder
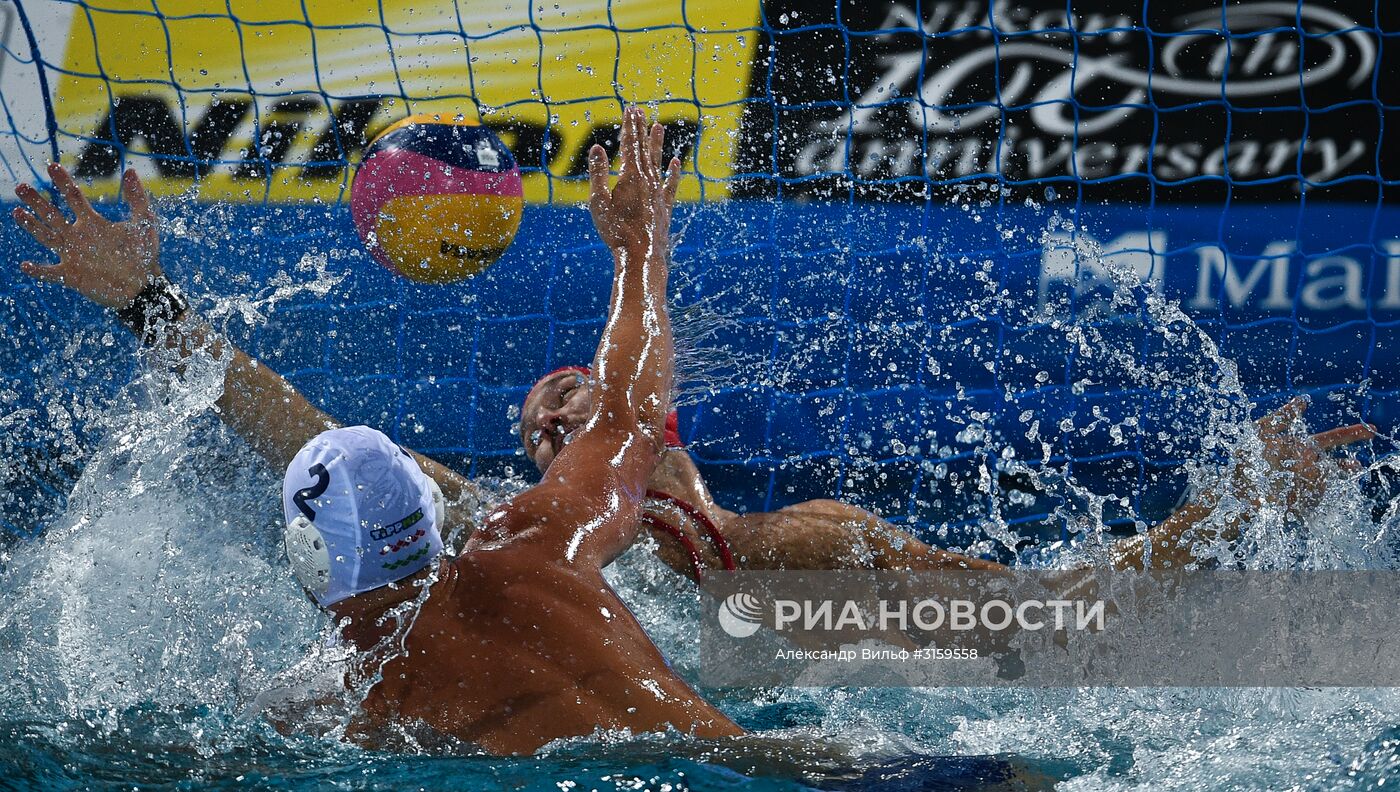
column 519, row 575
column 538, row 534
column 541, row 511
column 826, row 509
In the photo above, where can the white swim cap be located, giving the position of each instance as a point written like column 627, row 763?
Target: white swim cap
column 360, row 514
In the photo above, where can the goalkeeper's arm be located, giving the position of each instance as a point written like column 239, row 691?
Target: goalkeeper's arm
column 1292, row 474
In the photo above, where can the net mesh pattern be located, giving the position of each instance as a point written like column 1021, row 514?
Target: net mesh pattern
column 905, row 222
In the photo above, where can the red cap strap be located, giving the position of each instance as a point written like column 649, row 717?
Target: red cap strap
column 660, row 524
column 673, row 431
column 726, row 557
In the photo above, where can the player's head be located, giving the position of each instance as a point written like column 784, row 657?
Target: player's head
column 360, row 514
column 556, row 407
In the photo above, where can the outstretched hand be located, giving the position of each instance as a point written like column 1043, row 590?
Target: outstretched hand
column 636, row 213
column 1304, row 458
column 108, row 263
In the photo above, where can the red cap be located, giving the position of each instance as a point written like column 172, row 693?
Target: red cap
column 672, row 431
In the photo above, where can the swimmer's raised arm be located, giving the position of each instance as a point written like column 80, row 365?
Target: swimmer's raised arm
column 588, row 505
column 634, row 361
column 111, row 264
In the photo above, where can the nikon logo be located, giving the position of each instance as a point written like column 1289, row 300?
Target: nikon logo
column 1079, row 97
column 233, row 136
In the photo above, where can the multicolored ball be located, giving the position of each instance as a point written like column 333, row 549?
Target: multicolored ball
column 437, row 199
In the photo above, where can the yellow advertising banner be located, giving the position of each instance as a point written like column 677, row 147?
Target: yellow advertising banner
column 254, row 100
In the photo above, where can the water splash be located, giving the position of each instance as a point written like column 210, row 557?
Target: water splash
column 157, row 618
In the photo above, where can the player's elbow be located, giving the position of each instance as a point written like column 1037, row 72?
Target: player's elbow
column 623, row 416
column 638, row 445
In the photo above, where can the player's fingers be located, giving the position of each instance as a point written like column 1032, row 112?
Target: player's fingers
column 624, row 144
column 647, row 168
column 137, row 198
column 639, row 143
column 657, row 141
column 26, row 220
column 1283, row 417
column 673, row 180
column 68, row 188
column 597, row 178
column 49, row 273
column 1345, row 435
column 636, row 152
column 648, row 165
column 597, row 173
column 43, row 208
column 654, row 135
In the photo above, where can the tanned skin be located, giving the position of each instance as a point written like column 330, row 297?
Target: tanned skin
column 818, row 534
column 828, row 534
column 520, row 640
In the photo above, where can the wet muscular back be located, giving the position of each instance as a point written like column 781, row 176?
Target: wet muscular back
column 509, row 653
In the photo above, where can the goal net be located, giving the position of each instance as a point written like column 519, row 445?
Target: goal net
column 963, row 262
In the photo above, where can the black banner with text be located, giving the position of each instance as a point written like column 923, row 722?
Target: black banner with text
column 1176, row 102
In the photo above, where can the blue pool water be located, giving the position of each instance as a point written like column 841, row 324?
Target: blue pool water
column 141, row 631
column 859, row 341
column 150, row 612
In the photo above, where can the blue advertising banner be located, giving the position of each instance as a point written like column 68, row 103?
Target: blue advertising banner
column 979, row 249
column 880, row 353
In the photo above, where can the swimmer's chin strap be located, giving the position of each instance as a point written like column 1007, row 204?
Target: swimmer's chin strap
column 726, row 557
